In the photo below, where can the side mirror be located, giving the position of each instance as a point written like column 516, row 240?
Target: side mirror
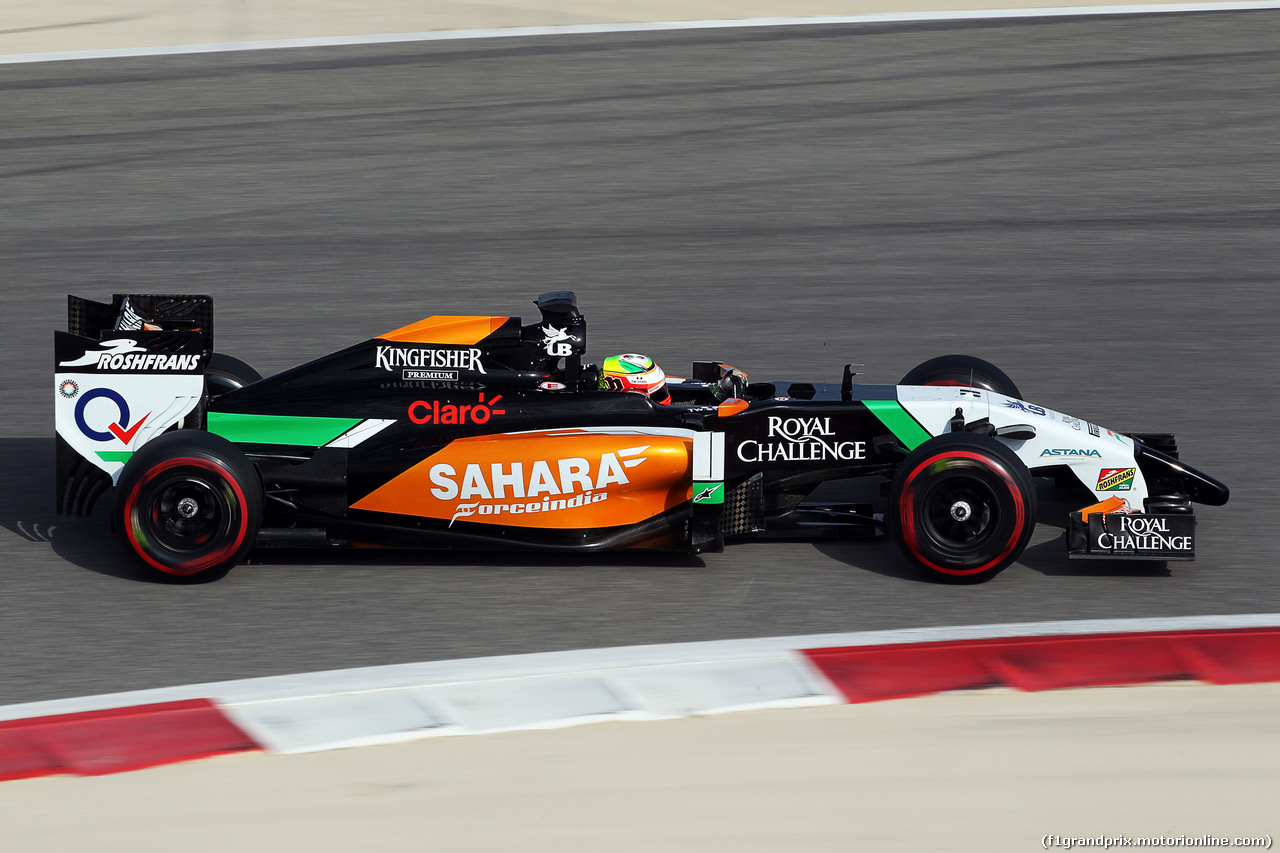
column 1017, row 432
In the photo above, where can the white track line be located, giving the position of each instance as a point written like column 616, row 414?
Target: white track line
column 548, row 664
column 654, row 26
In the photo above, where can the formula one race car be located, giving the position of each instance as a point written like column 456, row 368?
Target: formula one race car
column 481, row 432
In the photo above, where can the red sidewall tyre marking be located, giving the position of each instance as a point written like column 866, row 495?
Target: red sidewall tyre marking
column 908, row 519
column 192, row 566
column 951, row 383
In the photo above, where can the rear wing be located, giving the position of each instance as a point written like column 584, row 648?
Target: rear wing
column 125, row 371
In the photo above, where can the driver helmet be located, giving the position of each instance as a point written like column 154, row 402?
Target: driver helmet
column 633, row 372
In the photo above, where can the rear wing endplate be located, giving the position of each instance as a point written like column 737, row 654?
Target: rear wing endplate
column 125, row 371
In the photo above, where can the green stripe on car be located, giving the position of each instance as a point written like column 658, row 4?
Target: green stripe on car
column 278, row 429
column 899, row 421
column 708, row 493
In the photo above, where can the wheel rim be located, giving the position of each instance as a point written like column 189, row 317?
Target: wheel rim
column 187, row 516
column 960, row 513
column 985, row 534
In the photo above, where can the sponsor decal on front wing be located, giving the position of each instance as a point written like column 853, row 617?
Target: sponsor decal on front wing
column 1140, row 533
column 1132, row 535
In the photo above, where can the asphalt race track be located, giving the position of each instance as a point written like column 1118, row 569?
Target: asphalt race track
column 1090, row 203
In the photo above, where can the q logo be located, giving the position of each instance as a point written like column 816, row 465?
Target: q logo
column 118, row 428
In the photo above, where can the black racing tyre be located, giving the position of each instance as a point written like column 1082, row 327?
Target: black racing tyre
column 963, row 370
column 225, row 373
column 962, row 507
column 189, row 505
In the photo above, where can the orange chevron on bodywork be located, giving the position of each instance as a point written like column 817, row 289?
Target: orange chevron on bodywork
column 441, row 329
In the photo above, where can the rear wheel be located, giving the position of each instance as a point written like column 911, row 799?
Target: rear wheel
column 962, row 507
column 226, row 373
column 963, row 370
column 189, row 504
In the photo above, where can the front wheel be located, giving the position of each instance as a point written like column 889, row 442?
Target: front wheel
column 962, row 507
column 189, row 504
